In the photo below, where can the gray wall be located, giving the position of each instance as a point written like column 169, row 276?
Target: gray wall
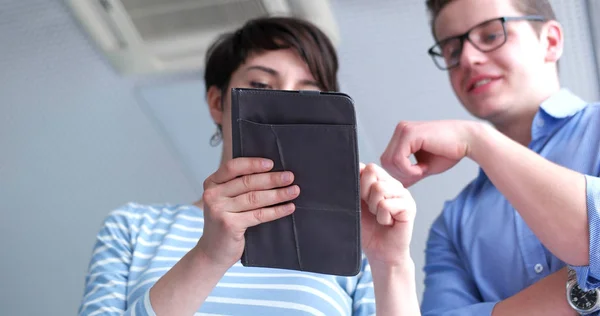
column 77, row 140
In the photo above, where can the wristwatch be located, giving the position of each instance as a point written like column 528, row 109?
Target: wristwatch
column 582, row 302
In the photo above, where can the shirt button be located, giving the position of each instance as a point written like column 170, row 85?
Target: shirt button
column 538, row 268
column 540, row 123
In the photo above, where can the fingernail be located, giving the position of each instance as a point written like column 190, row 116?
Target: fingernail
column 293, row 190
column 267, row 163
column 286, row 177
column 289, row 208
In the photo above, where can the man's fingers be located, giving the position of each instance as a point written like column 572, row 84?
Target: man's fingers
column 391, row 149
column 396, row 158
column 240, row 166
column 257, row 182
column 401, row 159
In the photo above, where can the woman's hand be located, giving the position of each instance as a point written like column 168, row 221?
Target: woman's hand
column 237, row 196
column 388, row 213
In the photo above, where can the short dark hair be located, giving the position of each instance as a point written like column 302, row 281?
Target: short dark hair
column 230, row 50
column 527, row 7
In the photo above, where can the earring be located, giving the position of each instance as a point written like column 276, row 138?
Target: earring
column 216, row 138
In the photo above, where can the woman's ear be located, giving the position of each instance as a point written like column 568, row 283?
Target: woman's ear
column 215, row 104
column 552, row 35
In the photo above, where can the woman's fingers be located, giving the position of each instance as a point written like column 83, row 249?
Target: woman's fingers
column 256, row 182
column 238, row 167
column 259, row 199
column 266, row 214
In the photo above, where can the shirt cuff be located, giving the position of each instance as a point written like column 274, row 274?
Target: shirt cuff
column 588, row 276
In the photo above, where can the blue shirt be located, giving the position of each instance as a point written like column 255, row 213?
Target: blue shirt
column 480, row 251
column 138, row 244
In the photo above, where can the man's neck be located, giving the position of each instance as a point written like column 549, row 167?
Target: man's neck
column 518, row 126
column 518, row 129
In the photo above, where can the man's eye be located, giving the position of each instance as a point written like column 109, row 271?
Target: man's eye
column 451, row 51
column 259, row 85
column 492, row 37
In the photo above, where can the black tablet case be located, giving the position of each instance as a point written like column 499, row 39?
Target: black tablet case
column 313, row 134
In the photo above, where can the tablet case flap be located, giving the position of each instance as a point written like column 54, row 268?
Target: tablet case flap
column 312, row 134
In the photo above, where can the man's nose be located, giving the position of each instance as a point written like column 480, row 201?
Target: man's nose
column 470, row 55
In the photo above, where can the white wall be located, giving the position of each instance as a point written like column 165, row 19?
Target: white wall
column 77, row 140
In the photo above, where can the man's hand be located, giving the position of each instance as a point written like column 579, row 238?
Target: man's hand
column 436, row 145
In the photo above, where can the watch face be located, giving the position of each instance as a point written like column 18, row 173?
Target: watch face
column 583, row 300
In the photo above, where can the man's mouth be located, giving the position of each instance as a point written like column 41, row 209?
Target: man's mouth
column 478, row 83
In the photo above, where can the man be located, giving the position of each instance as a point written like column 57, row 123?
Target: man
column 507, row 243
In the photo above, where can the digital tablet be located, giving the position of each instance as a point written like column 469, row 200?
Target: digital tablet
column 314, row 135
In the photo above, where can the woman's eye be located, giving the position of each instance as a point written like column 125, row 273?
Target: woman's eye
column 259, row 85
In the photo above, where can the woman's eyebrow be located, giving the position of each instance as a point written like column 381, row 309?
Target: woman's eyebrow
column 268, row 70
column 308, row 82
column 273, row 72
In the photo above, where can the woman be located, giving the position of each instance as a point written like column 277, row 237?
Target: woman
column 181, row 260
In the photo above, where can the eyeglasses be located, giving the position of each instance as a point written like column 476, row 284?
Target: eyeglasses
column 485, row 37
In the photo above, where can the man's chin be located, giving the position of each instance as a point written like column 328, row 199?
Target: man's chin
column 484, row 110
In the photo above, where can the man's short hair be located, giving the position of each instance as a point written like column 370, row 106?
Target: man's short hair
column 231, row 50
column 526, row 7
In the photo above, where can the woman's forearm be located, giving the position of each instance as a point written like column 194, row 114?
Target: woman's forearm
column 395, row 289
column 183, row 289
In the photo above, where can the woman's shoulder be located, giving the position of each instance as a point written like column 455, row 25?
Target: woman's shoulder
column 136, row 214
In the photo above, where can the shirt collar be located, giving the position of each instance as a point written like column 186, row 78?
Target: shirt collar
column 563, row 104
column 560, row 105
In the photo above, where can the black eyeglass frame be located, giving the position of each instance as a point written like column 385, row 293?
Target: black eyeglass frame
column 465, row 36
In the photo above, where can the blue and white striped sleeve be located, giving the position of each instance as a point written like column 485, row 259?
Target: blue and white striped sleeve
column 588, row 276
column 106, row 282
column 364, row 293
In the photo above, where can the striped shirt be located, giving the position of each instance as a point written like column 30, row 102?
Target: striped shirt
column 138, row 244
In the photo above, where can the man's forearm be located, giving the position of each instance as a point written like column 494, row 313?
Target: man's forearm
column 549, row 197
column 546, row 297
column 395, row 290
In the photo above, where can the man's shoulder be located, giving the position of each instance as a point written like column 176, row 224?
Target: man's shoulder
column 592, row 108
column 586, row 123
